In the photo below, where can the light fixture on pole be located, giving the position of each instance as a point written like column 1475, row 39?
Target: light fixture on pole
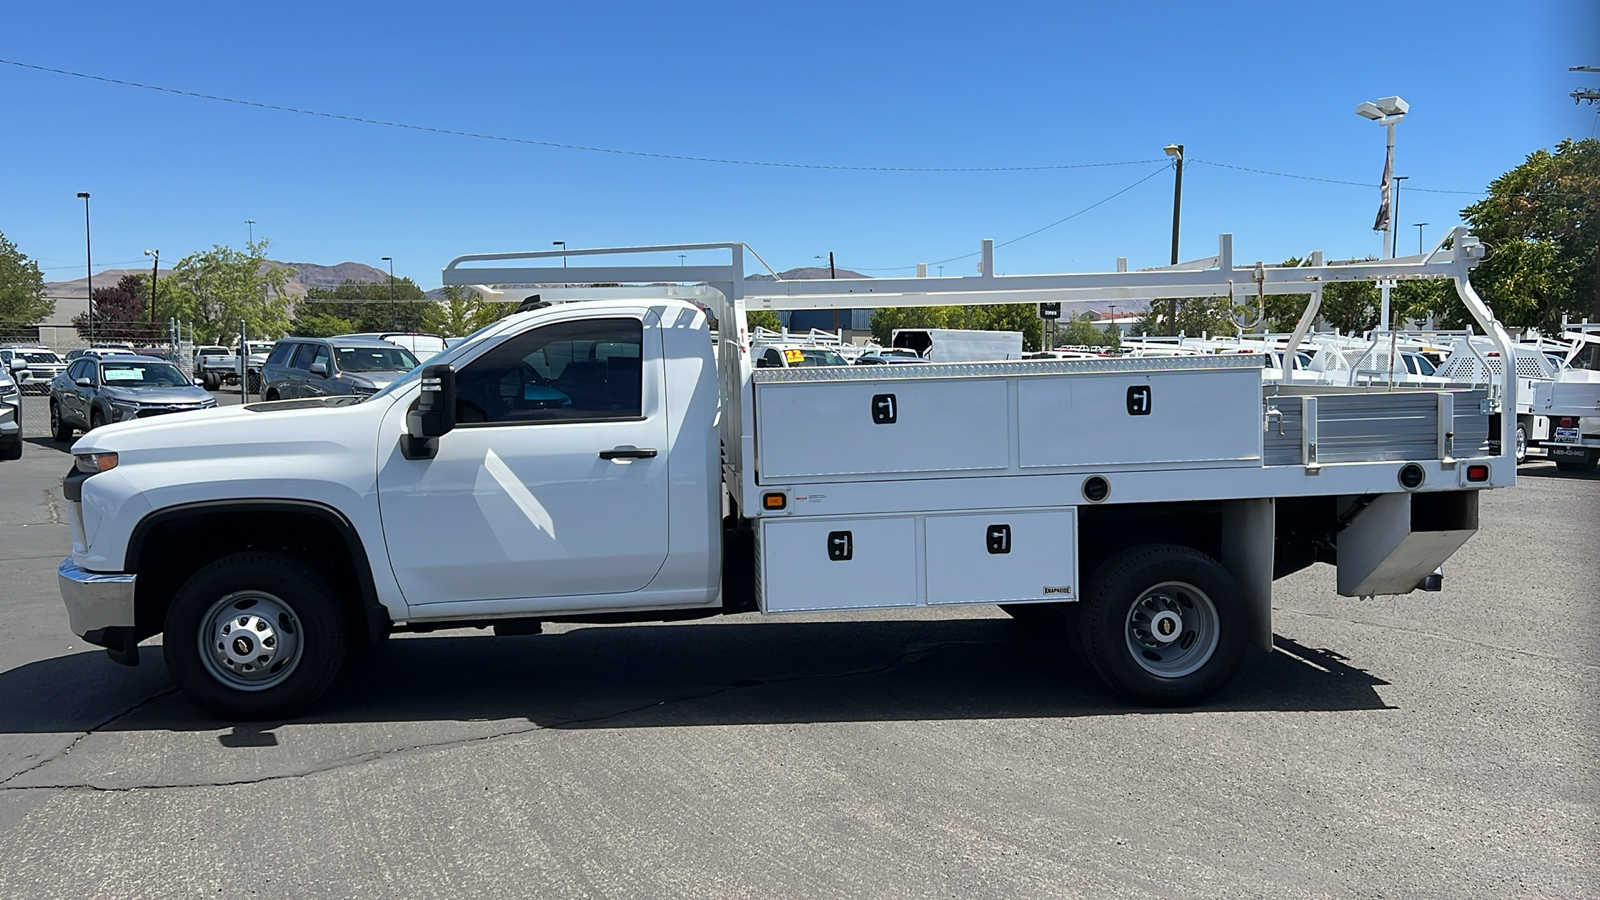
column 155, row 273
column 1176, row 152
column 88, row 261
column 832, row 272
column 392, row 317
column 681, row 258
column 563, row 246
column 1388, row 112
column 1418, row 226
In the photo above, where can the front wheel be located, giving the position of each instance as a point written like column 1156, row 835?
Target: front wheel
column 255, row 636
column 1162, row 624
column 59, row 430
column 1522, row 443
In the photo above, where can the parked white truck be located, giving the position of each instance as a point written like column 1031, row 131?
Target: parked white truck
column 575, row 463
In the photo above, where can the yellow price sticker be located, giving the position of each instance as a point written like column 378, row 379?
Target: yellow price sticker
column 794, row 356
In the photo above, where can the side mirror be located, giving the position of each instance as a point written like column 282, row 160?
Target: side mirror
column 319, row 369
column 84, row 382
column 433, row 415
column 18, row 364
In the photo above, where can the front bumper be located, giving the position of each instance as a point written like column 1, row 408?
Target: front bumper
column 96, row 601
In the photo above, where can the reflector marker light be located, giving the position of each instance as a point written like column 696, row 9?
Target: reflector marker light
column 1478, row 473
column 774, row 501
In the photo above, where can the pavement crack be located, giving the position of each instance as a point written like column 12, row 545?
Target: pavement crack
column 905, row 657
column 52, row 507
column 80, row 738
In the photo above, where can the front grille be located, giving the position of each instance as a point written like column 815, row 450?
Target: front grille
column 146, row 412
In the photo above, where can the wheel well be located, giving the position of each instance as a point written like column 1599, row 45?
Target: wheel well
column 171, row 545
column 1105, row 530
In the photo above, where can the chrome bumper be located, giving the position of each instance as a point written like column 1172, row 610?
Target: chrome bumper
column 95, row 601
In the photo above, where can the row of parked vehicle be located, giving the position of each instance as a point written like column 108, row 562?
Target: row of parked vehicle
column 96, row 386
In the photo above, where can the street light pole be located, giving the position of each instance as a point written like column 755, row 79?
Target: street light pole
column 155, row 273
column 88, row 261
column 393, row 319
column 1418, row 226
column 251, row 224
column 1388, row 112
column 1176, row 152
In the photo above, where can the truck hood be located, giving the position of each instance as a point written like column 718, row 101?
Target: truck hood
column 279, row 430
column 185, row 394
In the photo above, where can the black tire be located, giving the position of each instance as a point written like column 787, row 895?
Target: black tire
column 11, row 449
column 301, row 609
column 1174, row 590
column 59, row 429
column 95, row 419
column 272, row 395
column 208, row 381
column 1521, row 451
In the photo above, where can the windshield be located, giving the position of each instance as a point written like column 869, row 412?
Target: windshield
column 375, row 359
column 141, row 374
column 806, row 357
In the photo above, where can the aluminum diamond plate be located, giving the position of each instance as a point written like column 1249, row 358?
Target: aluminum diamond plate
column 912, row 371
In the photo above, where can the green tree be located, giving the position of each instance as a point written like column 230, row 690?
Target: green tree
column 762, row 318
column 22, row 299
column 1541, row 221
column 365, row 305
column 215, row 289
column 463, row 311
column 1082, row 332
column 1023, row 317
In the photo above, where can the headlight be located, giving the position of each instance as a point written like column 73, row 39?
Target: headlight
column 95, row 462
column 7, row 389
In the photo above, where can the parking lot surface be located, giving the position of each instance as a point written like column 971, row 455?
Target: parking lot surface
column 1431, row 745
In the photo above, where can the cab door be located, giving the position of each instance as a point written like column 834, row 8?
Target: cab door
column 551, row 491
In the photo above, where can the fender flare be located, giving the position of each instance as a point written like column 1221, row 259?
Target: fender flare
column 377, row 615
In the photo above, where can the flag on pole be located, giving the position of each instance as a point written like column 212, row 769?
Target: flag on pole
column 1382, row 222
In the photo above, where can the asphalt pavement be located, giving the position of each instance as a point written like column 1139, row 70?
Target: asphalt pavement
column 1432, row 745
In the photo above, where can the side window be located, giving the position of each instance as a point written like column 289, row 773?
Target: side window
column 279, row 355
column 569, row 371
column 76, row 371
column 302, row 357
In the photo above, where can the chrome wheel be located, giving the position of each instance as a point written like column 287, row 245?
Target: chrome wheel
column 1172, row 629
column 250, row 641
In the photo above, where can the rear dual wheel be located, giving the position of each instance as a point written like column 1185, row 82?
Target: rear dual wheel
column 1162, row 624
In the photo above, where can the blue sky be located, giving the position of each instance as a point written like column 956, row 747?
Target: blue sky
column 1263, row 86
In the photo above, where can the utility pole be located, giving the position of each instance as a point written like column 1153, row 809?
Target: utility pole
column 393, row 318
column 1176, row 152
column 251, row 224
column 155, row 272
column 88, row 261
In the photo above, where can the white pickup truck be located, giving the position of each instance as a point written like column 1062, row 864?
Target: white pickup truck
column 595, row 461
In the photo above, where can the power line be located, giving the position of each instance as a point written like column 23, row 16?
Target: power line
column 563, row 146
column 1102, row 201
column 1362, row 184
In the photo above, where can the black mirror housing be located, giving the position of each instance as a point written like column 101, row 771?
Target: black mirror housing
column 434, row 413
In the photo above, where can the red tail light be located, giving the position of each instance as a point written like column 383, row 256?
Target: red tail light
column 1477, row 473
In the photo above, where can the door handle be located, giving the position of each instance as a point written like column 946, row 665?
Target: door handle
column 628, row 453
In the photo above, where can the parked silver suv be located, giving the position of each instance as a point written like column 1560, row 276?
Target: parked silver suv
column 332, row 367
column 10, row 413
